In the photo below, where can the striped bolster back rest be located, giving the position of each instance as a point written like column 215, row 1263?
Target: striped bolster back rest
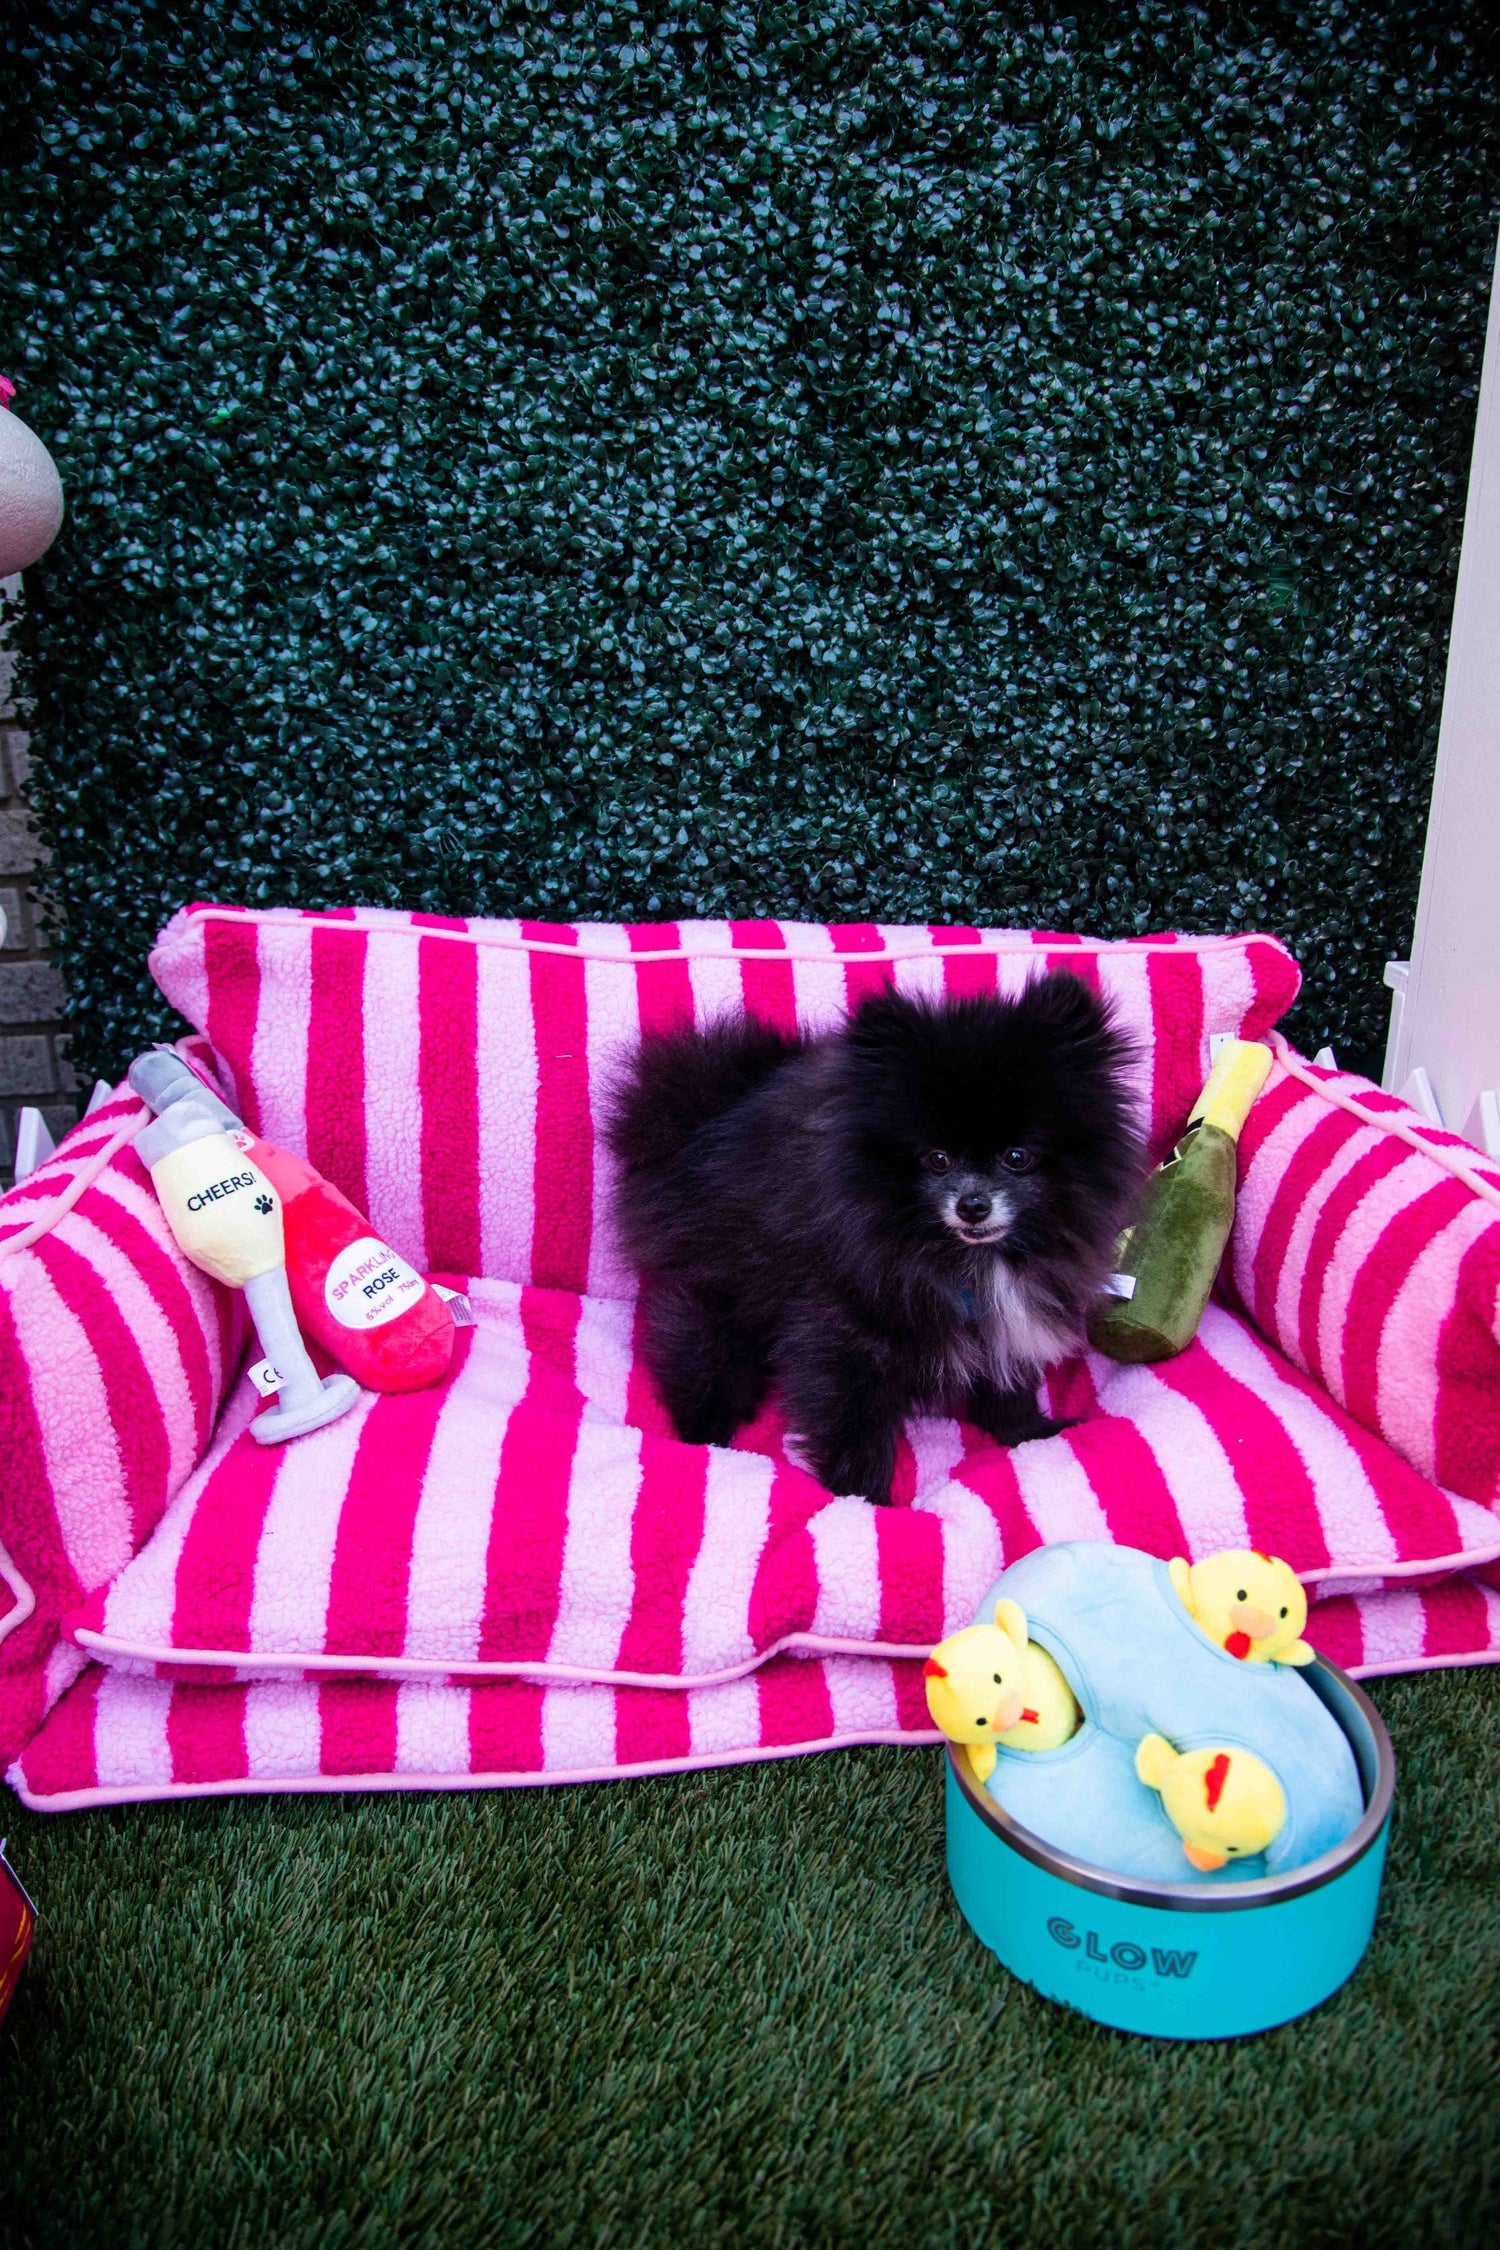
column 1367, row 1249
column 451, row 1076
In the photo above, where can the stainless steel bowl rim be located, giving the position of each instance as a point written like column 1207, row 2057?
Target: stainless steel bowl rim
column 1216, row 1898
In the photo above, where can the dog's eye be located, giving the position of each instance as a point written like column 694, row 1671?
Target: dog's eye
column 1018, row 1160
column 938, row 1160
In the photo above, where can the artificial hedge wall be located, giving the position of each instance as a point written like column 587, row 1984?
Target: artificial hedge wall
column 876, row 458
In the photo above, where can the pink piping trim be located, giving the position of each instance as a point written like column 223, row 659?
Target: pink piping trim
column 78, row 1800
column 255, row 1661
column 1423, row 1664
column 1465, row 1559
column 737, row 952
column 25, row 1598
column 1385, row 1122
column 81, row 1800
column 263, row 1663
column 47, row 1218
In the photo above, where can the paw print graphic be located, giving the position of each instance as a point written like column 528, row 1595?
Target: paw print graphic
column 264, row 1205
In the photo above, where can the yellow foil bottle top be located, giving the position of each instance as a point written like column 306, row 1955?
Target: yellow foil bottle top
column 223, row 1210
column 1239, row 1072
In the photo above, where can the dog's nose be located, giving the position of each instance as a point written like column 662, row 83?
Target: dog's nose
column 973, row 1209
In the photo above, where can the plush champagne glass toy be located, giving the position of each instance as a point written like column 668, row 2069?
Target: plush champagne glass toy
column 352, row 1293
column 227, row 1218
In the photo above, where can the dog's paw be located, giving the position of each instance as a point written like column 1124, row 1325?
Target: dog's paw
column 1046, row 1426
column 705, row 1426
column 855, row 1479
column 1015, row 1424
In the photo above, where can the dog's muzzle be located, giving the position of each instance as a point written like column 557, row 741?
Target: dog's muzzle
column 978, row 1215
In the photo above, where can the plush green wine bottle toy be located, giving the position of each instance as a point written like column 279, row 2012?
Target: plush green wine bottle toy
column 1172, row 1253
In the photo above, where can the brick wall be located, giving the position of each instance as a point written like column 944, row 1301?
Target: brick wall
column 34, row 1067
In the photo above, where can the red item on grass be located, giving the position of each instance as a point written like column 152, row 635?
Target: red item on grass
column 372, row 1313
column 17, row 1922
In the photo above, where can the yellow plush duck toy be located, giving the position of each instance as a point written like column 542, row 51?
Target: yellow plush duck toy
column 991, row 1684
column 1250, row 1603
column 1224, row 1804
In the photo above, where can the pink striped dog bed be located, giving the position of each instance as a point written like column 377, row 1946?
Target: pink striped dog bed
column 523, row 1576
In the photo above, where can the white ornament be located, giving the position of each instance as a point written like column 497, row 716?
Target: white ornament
column 31, row 499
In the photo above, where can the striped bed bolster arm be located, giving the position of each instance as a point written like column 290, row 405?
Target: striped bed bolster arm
column 1366, row 1247
column 115, row 1355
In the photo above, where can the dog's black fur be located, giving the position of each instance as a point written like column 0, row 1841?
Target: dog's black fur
column 787, row 1206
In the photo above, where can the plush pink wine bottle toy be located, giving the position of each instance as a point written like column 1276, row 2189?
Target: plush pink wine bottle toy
column 371, row 1311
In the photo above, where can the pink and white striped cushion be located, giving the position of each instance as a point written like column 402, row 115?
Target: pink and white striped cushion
column 115, row 1738
column 448, row 1075
column 115, row 1355
column 1375, row 1267
column 536, row 1516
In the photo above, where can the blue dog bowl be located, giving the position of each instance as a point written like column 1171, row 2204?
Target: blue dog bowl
column 1178, row 1960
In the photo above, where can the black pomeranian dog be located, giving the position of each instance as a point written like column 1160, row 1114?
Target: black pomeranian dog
column 907, row 1214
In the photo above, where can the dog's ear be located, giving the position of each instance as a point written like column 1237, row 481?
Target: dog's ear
column 1063, row 1004
column 882, row 1018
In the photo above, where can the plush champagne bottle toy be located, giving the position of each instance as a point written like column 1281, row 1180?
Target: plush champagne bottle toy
column 1172, row 1253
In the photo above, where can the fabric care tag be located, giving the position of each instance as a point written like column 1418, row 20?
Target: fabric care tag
column 457, row 1304
column 369, row 1284
column 1119, row 1285
column 265, row 1378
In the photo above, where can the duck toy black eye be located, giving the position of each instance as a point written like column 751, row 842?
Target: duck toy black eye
column 1242, row 1596
column 1283, row 1613
column 937, row 1160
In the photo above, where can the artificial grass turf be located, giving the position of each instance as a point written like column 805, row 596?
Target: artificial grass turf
column 733, row 2008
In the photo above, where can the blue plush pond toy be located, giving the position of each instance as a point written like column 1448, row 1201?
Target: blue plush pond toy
column 1246, row 1736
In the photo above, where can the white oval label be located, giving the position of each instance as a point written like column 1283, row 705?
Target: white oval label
column 368, row 1284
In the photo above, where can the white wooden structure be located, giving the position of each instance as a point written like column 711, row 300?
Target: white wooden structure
column 1444, row 1048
